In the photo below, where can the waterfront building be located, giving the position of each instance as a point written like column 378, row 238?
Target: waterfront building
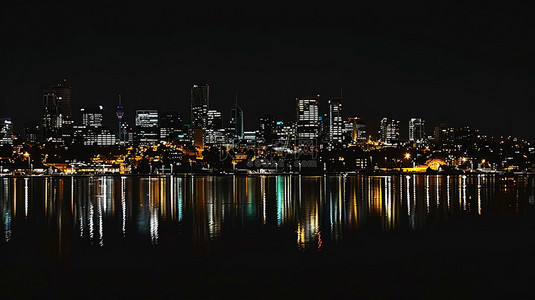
column 236, row 121
column 336, row 126
column 417, row 130
column 389, row 132
column 266, row 128
column 57, row 113
column 308, row 125
column 359, row 130
column 200, row 98
column 6, row 131
column 147, row 127
column 119, row 112
column 171, row 126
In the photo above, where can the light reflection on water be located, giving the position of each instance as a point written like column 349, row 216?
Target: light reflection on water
column 319, row 210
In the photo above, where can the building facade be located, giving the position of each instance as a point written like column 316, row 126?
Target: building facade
column 6, row 131
column 417, row 130
column 308, row 125
column 389, row 132
column 335, row 121
column 200, row 98
column 147, row 127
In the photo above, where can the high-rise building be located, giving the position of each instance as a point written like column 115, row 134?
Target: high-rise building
column 6, row 131
column 215, row 119
column 236, row 120
column 147, row 127
column 200, row 98
column 347, row 130
column 127, row 134
column 215, row 133
column 325, row 128
column 92, row 131
column 284, row 133
column 266, row 126
column 51, row 119
column 57, row 113
column 335, row 119
column 359, row 130
column 389, row 132
column 92, row 117
column 119, row 112
column 308, row 125
column 32, row 132
column 416, row 130
column 171, row 126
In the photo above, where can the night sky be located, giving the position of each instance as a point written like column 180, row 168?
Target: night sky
column 447, row 62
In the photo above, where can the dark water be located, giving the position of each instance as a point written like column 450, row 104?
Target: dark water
column 230, row 229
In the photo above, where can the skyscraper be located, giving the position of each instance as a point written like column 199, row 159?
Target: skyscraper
column 267, row 124
column 32, row 132
column 200, row 98
column 119, row 112
column 215, row 119
column 335, row 121
column 308, row 125
column 389, row 132
column 359, row 130
column 147, row 130
column 416, row 130
column 57, row 113
column 6, row 131
column 171, row 126
column 92, row 117
column 236, row 120
column 92, row 132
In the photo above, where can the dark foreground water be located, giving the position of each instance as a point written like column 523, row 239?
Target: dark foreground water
column 416, row 236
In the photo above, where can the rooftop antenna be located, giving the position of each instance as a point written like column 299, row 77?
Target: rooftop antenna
column 236, row 101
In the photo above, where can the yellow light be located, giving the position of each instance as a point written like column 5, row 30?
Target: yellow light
column 483, row 161
column 26, row 154
column 407, row 155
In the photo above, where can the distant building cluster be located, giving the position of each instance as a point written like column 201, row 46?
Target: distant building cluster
column 329, row 141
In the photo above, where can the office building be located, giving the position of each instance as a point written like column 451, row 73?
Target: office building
column 200, row 98
column 236, row 121
column 416, row 130
column 284, row 133
column 32, row 132
column 147, row 127
column 308, row 126
column 389, row 132
column 57, row 113
column 359, row 130
column 266, row 125
column 6, row 131
column 335, row 121
column 92, row 117
column 171, row 126
column 119, row 112
column 215, row 119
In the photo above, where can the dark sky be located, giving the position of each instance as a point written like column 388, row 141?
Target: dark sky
column 448, row 62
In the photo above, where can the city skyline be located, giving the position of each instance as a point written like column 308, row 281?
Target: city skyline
column 128, row 115
column 319, row 150
column 453, row 63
